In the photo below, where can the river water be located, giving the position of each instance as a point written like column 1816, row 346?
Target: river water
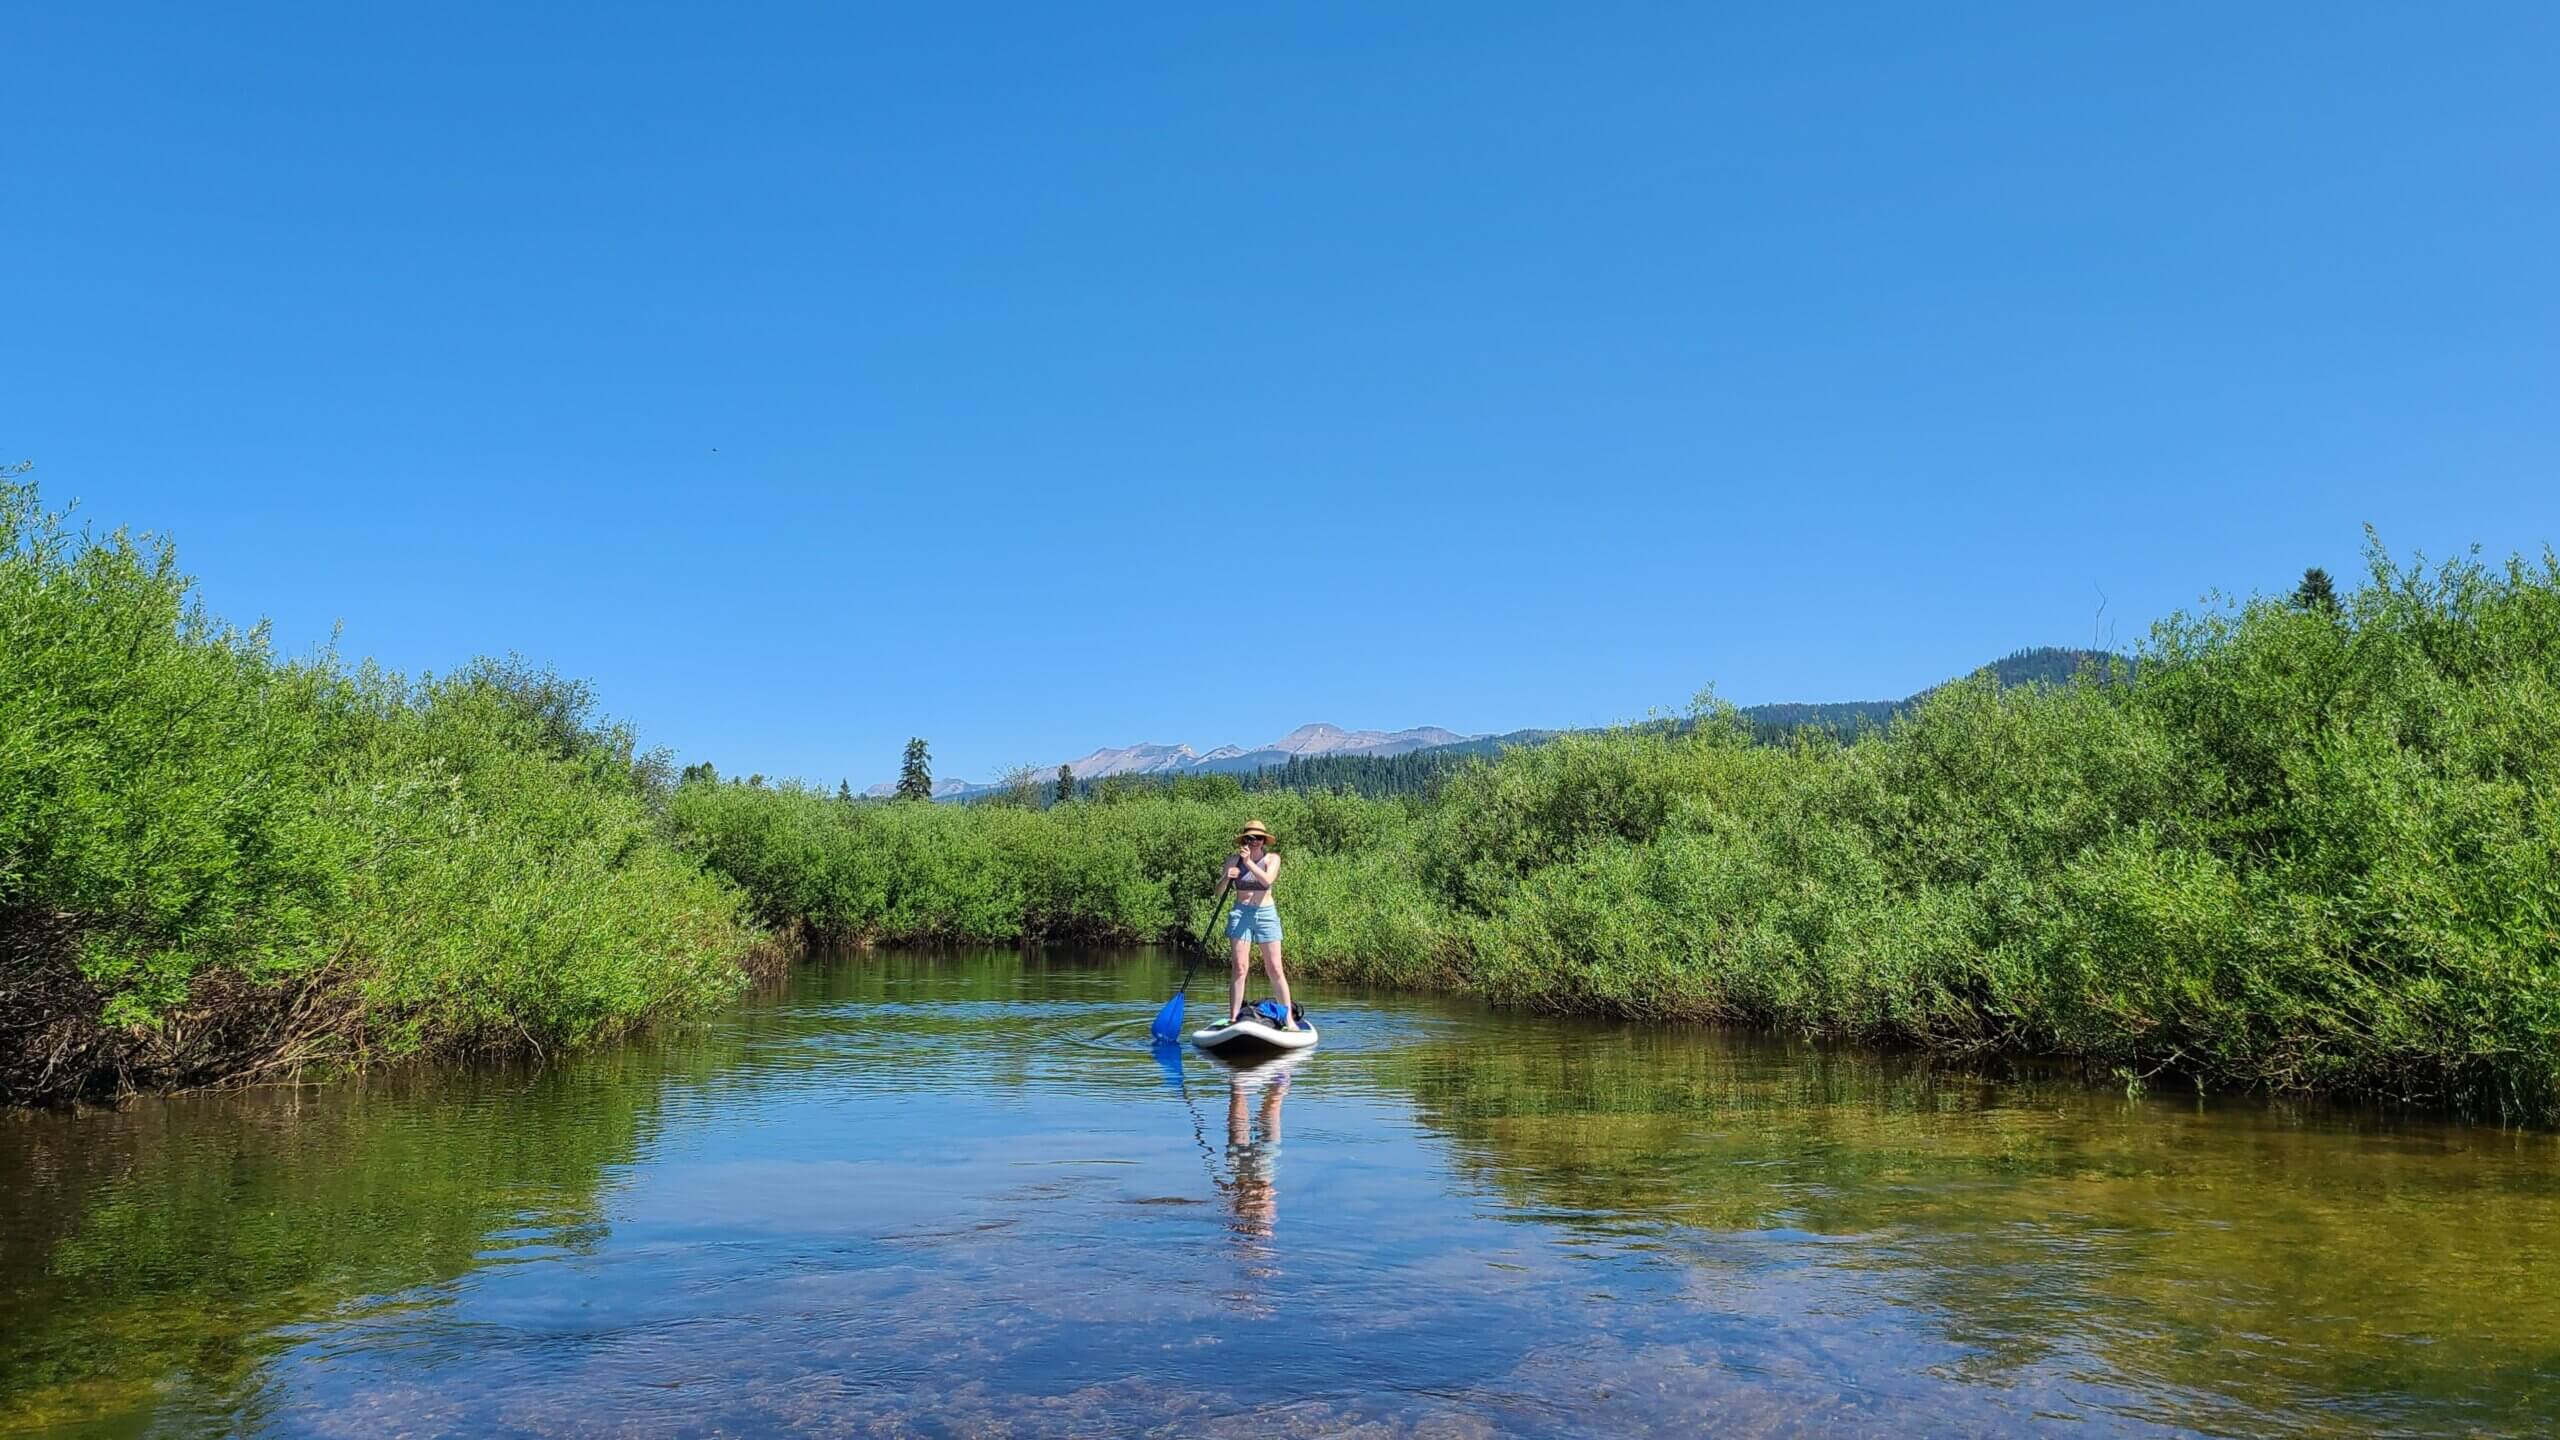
column 958, row 1194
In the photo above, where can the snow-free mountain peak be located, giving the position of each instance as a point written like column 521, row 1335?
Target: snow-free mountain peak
column 1322, row 739
column 1142, row 759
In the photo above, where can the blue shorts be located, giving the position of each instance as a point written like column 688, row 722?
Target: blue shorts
column 1258, row 923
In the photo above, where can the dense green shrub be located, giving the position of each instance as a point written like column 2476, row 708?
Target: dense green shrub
column 911, row 872
column 214, row 862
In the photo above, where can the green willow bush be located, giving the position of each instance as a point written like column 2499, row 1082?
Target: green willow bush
column 2289, row 849
column 909, row 872
column 215, row 863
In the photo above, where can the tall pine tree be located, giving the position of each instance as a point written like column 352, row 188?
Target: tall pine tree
column 1066, row 786
column 2315, row 592
column 915, row 776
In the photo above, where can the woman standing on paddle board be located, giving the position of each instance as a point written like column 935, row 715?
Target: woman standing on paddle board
column 1254, row 869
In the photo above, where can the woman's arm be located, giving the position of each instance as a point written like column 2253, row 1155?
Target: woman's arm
column 1268, row 872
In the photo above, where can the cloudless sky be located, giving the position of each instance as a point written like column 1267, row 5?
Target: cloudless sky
column 1039, row 377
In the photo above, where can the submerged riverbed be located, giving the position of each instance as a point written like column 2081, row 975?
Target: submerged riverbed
column 958, row 1194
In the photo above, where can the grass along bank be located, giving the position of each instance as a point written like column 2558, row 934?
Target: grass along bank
column 2298, row 847
column 216, row 864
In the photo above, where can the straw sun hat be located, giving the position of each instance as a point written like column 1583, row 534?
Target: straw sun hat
column 1254, row 830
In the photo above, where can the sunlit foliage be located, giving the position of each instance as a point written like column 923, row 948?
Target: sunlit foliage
column 216, row 863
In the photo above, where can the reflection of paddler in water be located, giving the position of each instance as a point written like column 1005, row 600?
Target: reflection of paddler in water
column 1254, row 1161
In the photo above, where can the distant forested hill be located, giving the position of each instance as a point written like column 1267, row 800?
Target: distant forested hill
column 2040, row 665
column 1418, row 772
column 2048, row 664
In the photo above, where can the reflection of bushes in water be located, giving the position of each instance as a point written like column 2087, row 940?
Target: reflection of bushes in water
column 165, row 1245
column 219, row 863
column 2228, row 1257
column 1627, row 1115
column 2296, row 849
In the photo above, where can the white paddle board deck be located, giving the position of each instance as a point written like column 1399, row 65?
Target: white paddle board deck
column 1251, row 1037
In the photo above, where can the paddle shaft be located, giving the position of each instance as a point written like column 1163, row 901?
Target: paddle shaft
column 1214, row 907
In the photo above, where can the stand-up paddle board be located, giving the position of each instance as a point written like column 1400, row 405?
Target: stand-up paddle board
column 1252, row 1035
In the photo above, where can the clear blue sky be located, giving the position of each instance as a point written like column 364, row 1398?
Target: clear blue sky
column 809, row 378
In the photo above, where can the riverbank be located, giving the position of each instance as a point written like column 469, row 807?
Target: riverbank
column 218, row 865
column 2299, row 848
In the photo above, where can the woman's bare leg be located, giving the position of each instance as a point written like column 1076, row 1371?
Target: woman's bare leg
column 1243, row 962
column 1279, row 982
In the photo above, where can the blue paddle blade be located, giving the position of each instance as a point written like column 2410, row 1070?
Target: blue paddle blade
column 1169, row 1019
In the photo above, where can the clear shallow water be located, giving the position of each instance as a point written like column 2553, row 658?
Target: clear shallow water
column 957, row 1194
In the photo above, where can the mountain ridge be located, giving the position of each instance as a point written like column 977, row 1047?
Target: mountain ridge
column 2047, row 664
column 1149, row 758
